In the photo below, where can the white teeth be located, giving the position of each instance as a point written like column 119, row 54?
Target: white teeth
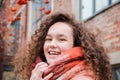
column 53, row 53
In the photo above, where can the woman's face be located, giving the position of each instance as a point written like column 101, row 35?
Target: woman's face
column 59, row 38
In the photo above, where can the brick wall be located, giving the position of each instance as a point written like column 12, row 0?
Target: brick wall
column 106, row 26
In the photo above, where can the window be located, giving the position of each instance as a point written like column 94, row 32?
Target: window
column 115, row 1
column 116, row 71
column 89, row 8
column 100, row 4
column 86, row 9
column 37, row 13
column 8, row 73
column 15, row 34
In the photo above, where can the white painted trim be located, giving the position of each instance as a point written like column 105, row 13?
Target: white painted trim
column 76, row 8
column 52, row 5
column 20, row 10
column 29, row 21
column 115, row 58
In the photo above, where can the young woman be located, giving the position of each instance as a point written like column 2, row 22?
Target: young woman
column 62, row 49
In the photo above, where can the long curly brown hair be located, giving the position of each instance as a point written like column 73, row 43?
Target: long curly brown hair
column 93, row 52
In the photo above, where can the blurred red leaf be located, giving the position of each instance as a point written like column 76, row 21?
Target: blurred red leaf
column 48, row 12
column 46, row 1
column 42, row 8
column 13, row 9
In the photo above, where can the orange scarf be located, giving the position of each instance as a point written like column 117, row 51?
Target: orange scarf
column 58, row 69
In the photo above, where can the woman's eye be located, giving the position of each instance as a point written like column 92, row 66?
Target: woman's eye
column 48, row 39
column 62, row 39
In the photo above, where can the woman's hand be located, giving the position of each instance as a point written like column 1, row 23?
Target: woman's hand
column 38, row 71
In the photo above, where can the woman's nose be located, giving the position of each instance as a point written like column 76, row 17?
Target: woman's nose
column 53, row 44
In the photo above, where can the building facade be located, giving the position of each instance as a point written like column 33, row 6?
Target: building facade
column 23, row 17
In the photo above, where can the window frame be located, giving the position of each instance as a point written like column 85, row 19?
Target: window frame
column 110, row 3
column 114, row 68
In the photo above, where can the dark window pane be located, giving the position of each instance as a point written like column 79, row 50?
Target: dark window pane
column 116, row 71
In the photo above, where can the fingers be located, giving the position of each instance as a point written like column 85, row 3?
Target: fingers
column 41, row 65
column 37, row 72
column 48, row 76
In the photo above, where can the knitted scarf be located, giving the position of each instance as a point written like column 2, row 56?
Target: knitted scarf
column 64, row 66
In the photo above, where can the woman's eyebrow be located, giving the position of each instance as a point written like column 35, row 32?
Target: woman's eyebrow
column 48, row 35
column 62, row 35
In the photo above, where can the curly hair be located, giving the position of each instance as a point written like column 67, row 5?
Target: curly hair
column 93, row 52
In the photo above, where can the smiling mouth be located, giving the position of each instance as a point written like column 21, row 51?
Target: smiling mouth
column 54, row 53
